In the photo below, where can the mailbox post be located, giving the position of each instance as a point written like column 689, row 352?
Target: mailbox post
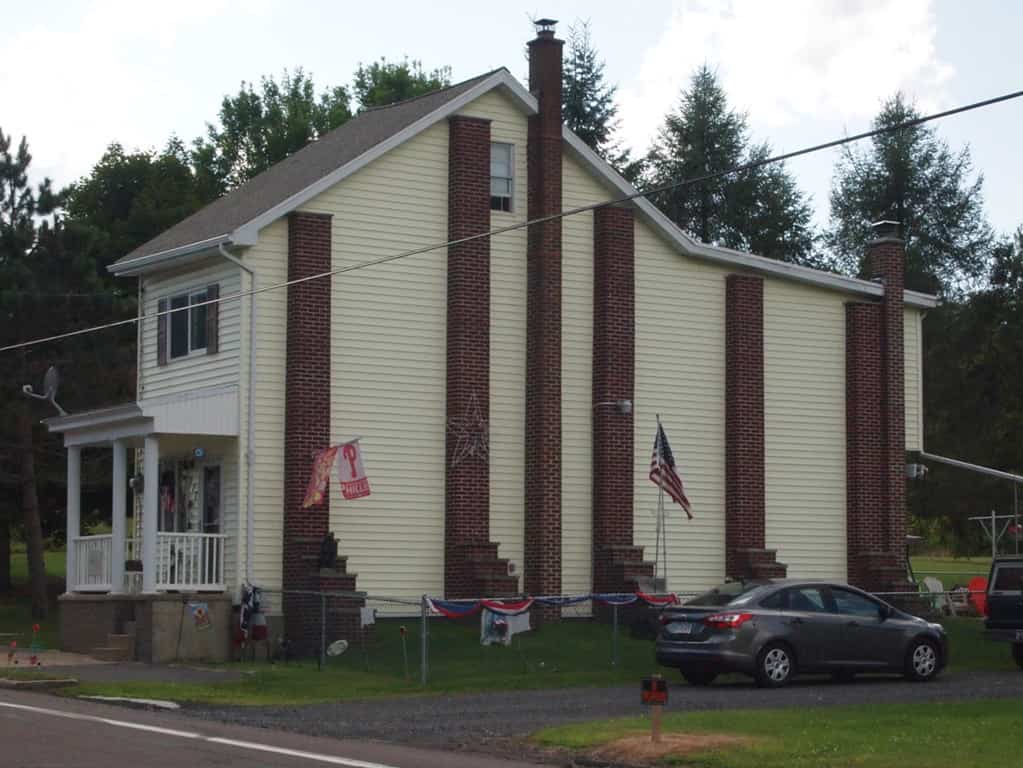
column 654, row 694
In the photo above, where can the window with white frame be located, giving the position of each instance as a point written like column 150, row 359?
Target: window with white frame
column 188, row 325
column 502, row 177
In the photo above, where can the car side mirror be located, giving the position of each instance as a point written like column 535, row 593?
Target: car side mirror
column 886, row 612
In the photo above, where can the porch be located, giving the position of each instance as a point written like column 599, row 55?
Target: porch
column 178, row 537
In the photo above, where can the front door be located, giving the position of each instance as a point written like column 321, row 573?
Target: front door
column 211, row 499
column 870, row 639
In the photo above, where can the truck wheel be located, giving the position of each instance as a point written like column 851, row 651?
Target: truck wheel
column 1017, row 653
column 922, row 660
column 701, row 676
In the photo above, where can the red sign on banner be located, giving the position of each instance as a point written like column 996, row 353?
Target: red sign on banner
column 317, row 488
column 354, row 483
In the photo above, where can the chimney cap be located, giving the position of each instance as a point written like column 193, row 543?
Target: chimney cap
column 545, row 27
column 887, row 228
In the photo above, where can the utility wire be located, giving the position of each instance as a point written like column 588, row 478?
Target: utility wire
column 540, row 220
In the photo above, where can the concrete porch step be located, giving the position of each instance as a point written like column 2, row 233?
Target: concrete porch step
column 112, row 654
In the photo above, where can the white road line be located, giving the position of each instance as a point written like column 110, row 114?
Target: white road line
column 330, row 759
column 300, row 753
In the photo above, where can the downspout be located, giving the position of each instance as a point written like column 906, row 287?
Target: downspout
column 250, row 450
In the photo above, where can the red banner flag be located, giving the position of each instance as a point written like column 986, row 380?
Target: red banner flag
column 354, row 484
column 317, row 487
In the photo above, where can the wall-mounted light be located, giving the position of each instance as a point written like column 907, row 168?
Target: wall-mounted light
column 624, row 407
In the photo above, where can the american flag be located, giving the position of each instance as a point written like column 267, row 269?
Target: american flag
column 664, row 474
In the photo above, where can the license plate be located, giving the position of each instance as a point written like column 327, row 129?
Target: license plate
column 681, row 628
column 1019, row 634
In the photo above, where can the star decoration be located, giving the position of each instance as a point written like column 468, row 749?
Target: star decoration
column 470, row 432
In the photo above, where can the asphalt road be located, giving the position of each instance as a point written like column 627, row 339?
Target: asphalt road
column 472, row 721
column 38, row 731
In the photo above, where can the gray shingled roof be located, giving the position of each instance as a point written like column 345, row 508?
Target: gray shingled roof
column 305, row 167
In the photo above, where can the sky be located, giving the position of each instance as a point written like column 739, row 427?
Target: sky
column 80, row 74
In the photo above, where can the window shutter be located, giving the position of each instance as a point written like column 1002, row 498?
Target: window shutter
column 161, row 331
column 212, row 320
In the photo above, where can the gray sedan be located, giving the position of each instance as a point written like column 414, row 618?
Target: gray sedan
column 771, row 629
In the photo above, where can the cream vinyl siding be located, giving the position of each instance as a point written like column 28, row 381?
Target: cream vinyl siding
column 388, row 360
column 578, row 189
column 197, row 370
column 680, row 374
column 913, row 339
column 269, row 258
column 804, row 428
column 507, row 339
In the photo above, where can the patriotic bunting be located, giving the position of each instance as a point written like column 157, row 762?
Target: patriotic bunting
column 458, row 609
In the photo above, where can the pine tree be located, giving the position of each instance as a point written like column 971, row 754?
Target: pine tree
column 913, row 177
column 761, row 211
column 588, row 102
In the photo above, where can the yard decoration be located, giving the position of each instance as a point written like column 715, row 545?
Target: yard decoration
column 654, row 693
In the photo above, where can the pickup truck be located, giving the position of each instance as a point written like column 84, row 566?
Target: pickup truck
column 1004, row 620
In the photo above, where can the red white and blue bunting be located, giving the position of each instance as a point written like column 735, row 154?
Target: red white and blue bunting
column 458, row 609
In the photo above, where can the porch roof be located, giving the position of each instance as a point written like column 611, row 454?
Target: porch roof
column 207, row 411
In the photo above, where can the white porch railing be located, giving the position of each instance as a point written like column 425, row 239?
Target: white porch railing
column 189, row 561
column 184, row 561
column 92, row 563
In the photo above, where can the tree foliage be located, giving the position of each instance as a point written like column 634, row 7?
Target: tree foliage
column 973, row 398
column 761, row 211
column 258, row 128
column 384, row 82
column 913, row 177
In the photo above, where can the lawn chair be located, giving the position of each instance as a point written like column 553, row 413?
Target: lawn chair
column 939, row 600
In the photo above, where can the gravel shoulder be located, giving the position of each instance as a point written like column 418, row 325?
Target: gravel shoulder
column 470, row 721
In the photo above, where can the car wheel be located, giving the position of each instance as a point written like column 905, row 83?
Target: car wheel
column 1017, row 653
column 775, row 665
column 699, row 675
column 922, row 660
column 843, row 676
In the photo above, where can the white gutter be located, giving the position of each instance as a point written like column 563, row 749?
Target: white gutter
column 1018, row 479
column 250, row 449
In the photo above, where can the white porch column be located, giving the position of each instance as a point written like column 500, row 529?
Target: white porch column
column 74, row 511
column 119, row 518
column 150, row 512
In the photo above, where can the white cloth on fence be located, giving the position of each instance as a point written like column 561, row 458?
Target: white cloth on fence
column 368, row 616
column 498, row 628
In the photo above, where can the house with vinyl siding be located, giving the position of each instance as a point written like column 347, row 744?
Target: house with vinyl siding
column 790, row 395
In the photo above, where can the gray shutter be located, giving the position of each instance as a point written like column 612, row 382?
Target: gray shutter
column 213, row 320
column 161, row 332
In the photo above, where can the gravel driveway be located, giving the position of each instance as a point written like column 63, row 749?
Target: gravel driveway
column 467, row 720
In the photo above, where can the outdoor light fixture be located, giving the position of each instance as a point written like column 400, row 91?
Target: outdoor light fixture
column 624, row 406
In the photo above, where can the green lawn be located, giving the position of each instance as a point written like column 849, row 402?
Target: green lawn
column 951, row 570
column 977, row 734
column 56, row 565
column 566, row 655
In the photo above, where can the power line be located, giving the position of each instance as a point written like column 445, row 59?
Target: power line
column 540, row 220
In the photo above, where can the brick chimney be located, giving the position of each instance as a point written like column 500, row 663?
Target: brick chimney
column 876, row 421
column 543, row 322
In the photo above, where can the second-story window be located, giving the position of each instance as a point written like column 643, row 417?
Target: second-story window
column 187, row 326
column 502, row 178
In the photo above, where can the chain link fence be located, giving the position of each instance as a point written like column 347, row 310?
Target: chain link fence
column 405, row 638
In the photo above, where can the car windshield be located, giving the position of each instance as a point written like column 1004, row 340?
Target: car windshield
column 727, row 593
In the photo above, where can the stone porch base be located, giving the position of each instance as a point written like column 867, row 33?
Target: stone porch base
column 155, row 629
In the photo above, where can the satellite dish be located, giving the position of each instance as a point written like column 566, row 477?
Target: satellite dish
column 337, row 647
column 51, row 381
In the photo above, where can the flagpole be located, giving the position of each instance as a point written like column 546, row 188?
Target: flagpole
column 662, row 529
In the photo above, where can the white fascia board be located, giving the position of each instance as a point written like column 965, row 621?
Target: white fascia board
column 99, row 417
column 727, row 256
column 153, row 261
column 249, row 232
